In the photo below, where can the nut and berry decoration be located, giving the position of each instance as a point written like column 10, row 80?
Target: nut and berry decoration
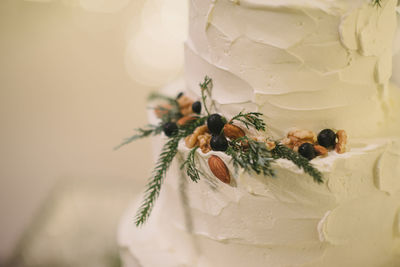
column 307, row 150
column 196, row 107
column 162, row 110
column 270, row 144
column 192, row 140
column 327, row 138
column 219, row 143
column 219, row 169
column 296, row 138
column 181, row 119
column 233, row 132
column 299, row 137
column 320, row 150
column 205, row 142
column 170, row 129
column 215, row 123
column 185, row 104
column 342, row 141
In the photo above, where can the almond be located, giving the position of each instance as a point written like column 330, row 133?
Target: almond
column 185, row 119
column 320, row 150
column 219, row 169
column 233, row 132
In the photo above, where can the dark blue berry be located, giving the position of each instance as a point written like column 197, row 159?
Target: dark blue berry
column 196, row 107
column 219, row 143
column 215, row 124
column 327, row 138
column 179, row 95
column 170, row 129
column 307, row 150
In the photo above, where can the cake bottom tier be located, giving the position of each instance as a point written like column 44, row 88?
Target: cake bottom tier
column 351, row 220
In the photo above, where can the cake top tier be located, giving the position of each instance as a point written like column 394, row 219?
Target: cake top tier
column 303, row 63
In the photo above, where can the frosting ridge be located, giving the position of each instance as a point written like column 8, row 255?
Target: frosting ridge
column 332, row 54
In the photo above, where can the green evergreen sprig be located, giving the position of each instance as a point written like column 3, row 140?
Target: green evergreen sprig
column 190, row 165
column 142, row 133
column 251, row 119
column 281, row 151
column 251, row 156
column 157, row 96
column 172, row 114
column 152, row 192
column 168, row 153
column 254, row 156
column 189, row 127
column 206, row 87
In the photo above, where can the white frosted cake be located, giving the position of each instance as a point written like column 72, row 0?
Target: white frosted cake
column 307, row 64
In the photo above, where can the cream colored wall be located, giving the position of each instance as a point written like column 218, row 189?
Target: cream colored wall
column 66, row 99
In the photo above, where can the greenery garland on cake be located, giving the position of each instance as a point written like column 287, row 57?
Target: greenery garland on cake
column 182, row 119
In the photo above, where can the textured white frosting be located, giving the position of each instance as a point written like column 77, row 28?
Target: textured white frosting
column 350, row 220
column 302, row 63
column 309, row 64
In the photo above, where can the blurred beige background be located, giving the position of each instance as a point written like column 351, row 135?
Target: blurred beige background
column 74, row 76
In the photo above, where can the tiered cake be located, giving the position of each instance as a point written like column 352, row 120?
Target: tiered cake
column 309, row 64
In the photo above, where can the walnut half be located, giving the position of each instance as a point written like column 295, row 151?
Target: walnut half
column 342, row 141
column 192, row 140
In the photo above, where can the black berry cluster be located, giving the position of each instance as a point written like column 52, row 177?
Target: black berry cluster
column 170, row 129
column 327, row 138
column 215, row 124
column 219, row 143
column 196, row 107
column 307, row 150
